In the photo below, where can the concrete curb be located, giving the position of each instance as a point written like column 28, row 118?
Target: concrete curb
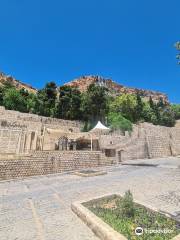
column 98, row 226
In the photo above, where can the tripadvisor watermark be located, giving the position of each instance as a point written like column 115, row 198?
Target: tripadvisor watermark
column 140, row 231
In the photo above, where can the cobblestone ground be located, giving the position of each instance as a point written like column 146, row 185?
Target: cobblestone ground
column 39, row 207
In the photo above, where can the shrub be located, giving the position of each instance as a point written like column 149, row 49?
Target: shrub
column 126, row 205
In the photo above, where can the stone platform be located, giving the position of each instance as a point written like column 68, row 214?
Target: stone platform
column 39, row 208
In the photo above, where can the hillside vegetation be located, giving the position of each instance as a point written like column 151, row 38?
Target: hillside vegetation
column 95, row 104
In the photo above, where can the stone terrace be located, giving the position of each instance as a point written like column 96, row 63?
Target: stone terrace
column 38, row 208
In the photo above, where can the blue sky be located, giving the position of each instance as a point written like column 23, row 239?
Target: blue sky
column 130, row 41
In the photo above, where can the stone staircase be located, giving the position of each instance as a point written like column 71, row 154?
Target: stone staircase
column 158, row 141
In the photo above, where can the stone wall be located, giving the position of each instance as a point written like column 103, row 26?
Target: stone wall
column 10, row 140
column 146, row 141
column 162, row 141
column 42, row 162
column 137, row 150
column 23, row 132
column 175, row 139
column 19, row 140
column 29, row 119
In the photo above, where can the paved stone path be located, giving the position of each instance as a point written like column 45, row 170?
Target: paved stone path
column 38, row 208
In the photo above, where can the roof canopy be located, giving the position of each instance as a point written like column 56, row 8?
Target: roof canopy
column 100, row 127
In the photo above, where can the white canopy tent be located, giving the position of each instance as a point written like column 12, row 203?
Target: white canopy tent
column 100, row 128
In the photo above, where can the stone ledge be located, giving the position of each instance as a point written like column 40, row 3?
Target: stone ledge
column 98, row 226
column 93, row 174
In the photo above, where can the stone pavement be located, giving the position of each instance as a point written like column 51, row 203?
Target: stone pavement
column 38, row 208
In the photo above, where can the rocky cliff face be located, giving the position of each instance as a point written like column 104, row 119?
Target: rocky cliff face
column 115, row 89
column 83, row 83
column 16, row 83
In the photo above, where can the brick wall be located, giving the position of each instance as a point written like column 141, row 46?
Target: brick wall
column 50, row 162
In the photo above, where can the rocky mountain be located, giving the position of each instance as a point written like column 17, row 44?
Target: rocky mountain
column 83, row 83
column 16, row 83
column 115, row 89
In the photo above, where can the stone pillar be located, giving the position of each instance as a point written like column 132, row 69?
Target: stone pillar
column 74, row 145
column 9, row 140
column 60, row 146
column 19, row 143
column 28, row 142
column 68, row 145
column 35, row 141
column 126, row 134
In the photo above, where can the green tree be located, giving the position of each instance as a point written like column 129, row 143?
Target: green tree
column 46, row 100
column 161, row 104
column 159, row 113
column 117, row 121
column 177, row 46
column 41, row 99
column 126, row 104
column 69, row 103
column 176, row 109
column 13, row 100
column 139, row 107
column 51, row 92
column 24, row 92
column 155, row 118
column 50, row 98
column 1, row 95
column 31, row 103
column 151, row 103
column 148, row 113
column 167, row 117
column 94, row 104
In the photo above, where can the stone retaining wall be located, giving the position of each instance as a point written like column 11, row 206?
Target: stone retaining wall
column 34, row 118
column 50, row 162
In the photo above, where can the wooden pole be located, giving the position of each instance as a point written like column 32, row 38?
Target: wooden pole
column 91, row 143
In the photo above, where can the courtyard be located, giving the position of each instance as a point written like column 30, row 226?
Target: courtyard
column 40, row 207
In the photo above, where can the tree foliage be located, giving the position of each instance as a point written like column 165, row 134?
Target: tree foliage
column 90, row 106
column 126, row 206
column 159, row 113
column 13, row 100
column 117, row 121
column 69, row 102
column 176, row 109
column 134, row 109
column 125, row 104
column 94, row 105
column 177, row 46
column 46, row 99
